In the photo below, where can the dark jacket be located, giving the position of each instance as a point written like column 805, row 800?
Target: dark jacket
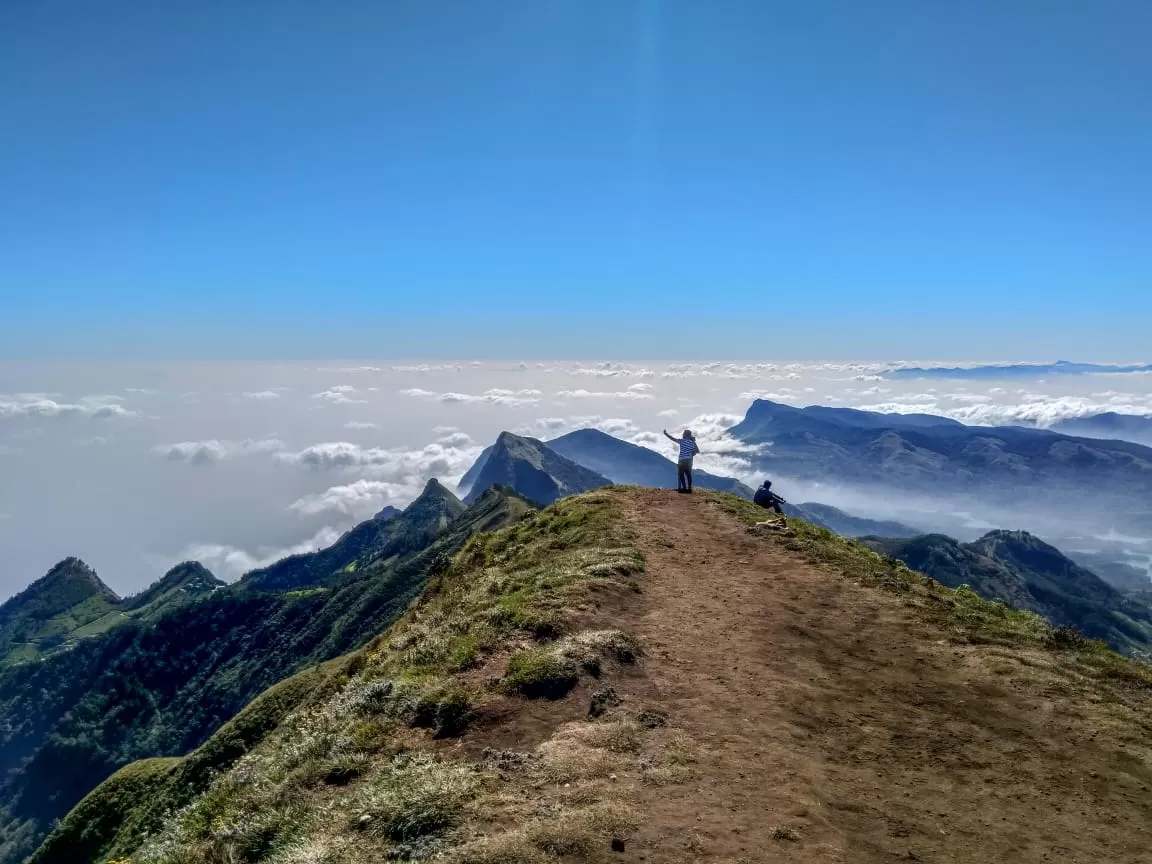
column 766, row 497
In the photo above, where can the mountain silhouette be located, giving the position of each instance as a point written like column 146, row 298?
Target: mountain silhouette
column 1015, row 370
column 1109, row 425
column 50, row 611
column 182, row 583
column 847, row 525
column 533, row 469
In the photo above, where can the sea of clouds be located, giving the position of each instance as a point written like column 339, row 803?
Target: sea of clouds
column 134, row 468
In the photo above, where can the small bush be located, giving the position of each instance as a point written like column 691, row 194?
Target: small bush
column 445, row 709
column 1068, row 638
column 540, row 673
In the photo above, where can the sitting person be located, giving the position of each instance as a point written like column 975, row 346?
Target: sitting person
column 769, row 500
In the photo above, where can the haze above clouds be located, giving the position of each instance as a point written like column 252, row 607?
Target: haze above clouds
column 135, row 467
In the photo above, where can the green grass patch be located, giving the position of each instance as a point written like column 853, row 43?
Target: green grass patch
column 540, row 673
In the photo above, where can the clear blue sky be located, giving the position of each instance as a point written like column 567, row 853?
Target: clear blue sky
column 532, row 177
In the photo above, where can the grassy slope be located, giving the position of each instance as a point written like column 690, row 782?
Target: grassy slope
column 90, row 610
column 33, row 637
column 163, row 689
column 355, row 774
column 502, row 591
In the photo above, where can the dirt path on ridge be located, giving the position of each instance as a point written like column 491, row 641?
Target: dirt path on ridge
column 826, row 708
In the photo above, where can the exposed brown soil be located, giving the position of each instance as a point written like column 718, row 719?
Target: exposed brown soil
column 835, row 726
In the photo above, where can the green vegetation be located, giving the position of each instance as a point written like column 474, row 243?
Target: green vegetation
column 52, row 611
column 347, row 774
column 139, row 796
column 161, row 686
column 70, row 603
column 552, row 670
column 963, row 612
column 415, row 796
column 541, row 672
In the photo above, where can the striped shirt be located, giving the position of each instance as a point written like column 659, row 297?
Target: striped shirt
column 688, row 449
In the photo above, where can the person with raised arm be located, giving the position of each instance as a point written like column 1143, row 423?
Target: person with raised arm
column 688, row 449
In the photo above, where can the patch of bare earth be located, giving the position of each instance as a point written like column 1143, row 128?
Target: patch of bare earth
column 832, row 725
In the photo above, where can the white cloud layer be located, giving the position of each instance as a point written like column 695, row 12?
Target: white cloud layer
column 40, row 405
column 267, row 494
column 494, row 396
column 448, row 457
column 232, row 562
column 359, row 500
column 602, row 394
column 341, row 394
column 214, row 450
column 979, row 410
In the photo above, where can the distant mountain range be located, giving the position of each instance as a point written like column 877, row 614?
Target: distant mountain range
column 1082, row 481
column 71, row 602
column 1027, row 573
column 1013, row 370
column 848, row 525
column 1109, row 425
column 160, row 684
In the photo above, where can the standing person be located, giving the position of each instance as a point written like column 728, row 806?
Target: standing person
column 688, row 449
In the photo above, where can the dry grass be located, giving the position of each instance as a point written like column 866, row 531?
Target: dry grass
column 785, row 833
column 616, row 736
column 513, row 847
column 417, row 796
column 567, row 762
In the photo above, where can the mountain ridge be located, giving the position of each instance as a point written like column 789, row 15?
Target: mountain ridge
column 159, row 687
column 533, row 469
column 1026, row 572
column 429, row 513
column 550, row 713
column 70, row 602
column 953, row 465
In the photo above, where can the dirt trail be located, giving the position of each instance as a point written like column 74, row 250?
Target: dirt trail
column 827, row 709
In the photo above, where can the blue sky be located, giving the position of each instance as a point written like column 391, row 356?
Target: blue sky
column 607, row 178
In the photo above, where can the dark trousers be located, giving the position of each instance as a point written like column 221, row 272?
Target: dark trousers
column 684, row 474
